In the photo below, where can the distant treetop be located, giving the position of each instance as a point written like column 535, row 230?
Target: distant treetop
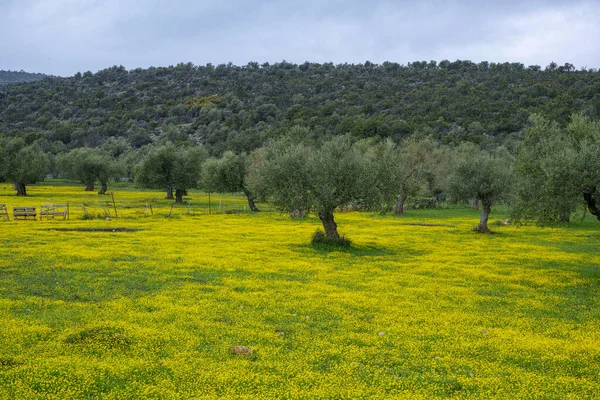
column 8, row 77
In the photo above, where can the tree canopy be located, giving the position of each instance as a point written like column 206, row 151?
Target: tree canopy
column 558, row 169
column 227, row 175
column 89, row 165
column 482, row 175
column 299, row 178
column 171, row 168
column 23, row 164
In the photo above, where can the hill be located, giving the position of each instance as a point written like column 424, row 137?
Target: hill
column 8, row 77
column 240, row 107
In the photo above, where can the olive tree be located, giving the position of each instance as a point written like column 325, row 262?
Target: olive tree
column 400, row 171
column 171, row 168
column 89, row 165
column 557, row 169
column 584, row 148
column 482, row 175
column 227, row 175
column 23, row 165
column 306, row 179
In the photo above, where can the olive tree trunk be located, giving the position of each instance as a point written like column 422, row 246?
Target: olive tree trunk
column 329, row 225
column 591, row 204
column 483, row 218
column 89, row 187
column 564, row 217
column 399, row 208
column 20, row 188
column 170, row 194
column 250, row 200
column 179, row 195
column 297, row 214
column 103, row 188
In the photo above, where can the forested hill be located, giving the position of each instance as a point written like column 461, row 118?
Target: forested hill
column 8, row 77
column 240, row 107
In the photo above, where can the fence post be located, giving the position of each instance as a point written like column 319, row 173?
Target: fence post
column 114, row 205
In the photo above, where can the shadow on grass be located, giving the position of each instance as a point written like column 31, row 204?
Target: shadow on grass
column 94, row 229
column 105, row 282
column 354, row 249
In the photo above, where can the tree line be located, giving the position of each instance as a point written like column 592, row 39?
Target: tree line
column 240, row 108
column 545, row 177
column 10, row 77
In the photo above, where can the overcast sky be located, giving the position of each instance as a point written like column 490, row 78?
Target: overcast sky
column 62, row 37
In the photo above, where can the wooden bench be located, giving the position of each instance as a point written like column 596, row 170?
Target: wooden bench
column 24, row 212
column 54, row 210
column 4, row 212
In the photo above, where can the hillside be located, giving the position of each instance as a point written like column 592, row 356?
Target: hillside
column 240, row 107
column 8, row 77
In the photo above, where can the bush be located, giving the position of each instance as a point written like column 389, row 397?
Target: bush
column 319, row 238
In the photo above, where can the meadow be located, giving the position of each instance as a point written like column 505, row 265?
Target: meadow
column 420, row 307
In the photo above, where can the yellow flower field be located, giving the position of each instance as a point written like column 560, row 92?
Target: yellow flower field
column 419, row 307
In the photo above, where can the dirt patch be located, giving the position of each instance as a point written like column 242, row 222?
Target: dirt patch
column 95, row 229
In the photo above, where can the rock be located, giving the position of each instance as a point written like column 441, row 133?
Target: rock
column 245, row 351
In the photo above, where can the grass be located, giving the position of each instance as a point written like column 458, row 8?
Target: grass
column 418, row 307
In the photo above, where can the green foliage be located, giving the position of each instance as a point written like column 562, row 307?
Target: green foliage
column 557, row 169
column 482, row 175
column 239, row 108
column 225, row 174
column 300, row 179
column 23, row 164
column 281, row 172
column 88, row 165
column 8, row 77
column 170, row 167
column 339, row 175
column 400, row 171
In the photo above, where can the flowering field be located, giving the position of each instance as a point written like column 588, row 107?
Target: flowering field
column 419, row 307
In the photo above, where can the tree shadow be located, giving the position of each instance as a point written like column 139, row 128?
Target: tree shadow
column 354, row 249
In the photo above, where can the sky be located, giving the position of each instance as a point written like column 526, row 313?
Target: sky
column 63, row 37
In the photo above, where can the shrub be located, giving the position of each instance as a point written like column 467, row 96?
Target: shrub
column 319, row 238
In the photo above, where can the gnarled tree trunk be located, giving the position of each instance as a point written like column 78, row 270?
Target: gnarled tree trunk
column 329, row 225
column 103, row 188
column 297, row 214
column 89, row 187
column 591, row 204
column 250, row 200
column 170, row 194
column 399, row 208
column 483, row 218
column 20, row 188
column 179, row 195
column 475, row 204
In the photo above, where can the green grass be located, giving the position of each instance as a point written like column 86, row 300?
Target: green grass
column 408, row 311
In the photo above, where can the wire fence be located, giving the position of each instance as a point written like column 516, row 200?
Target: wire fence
column 127, row 205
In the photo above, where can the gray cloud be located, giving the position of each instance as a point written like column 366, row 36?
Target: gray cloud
column 65, row 36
